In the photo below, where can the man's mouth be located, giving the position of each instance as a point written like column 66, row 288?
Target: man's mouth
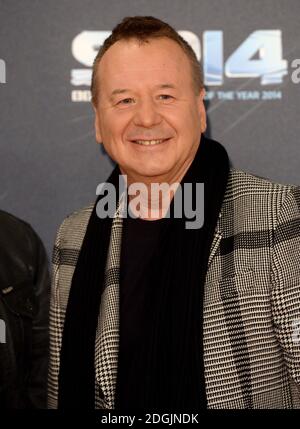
column 152, row 142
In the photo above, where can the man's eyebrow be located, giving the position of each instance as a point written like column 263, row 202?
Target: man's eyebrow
column 118, row 91
column 166, row 86
column 160, row 86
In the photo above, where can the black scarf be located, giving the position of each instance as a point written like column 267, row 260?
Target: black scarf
column 171, row 365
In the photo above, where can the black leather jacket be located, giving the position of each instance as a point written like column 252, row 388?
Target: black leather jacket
column 24, row 308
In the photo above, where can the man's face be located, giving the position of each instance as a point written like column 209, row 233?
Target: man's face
column 148, row 115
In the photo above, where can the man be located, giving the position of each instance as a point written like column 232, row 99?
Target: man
column 24, row 308
column 147, row 313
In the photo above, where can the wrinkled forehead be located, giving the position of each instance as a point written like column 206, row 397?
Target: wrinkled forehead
column 151, row 59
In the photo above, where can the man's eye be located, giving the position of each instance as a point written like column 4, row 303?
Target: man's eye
column 165, row 97
column 126, row 101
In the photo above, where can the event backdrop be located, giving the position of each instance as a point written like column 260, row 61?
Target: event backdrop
column 50, row 164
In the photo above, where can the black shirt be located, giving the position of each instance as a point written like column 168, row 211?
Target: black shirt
column 139, row 240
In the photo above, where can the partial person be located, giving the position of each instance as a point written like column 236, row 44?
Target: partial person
column 24, row 315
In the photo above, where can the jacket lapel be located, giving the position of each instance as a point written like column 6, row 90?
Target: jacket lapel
column 107, row 336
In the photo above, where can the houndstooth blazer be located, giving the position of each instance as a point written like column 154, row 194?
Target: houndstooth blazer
column 251, row 304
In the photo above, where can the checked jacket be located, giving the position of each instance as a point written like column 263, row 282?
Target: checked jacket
column 251, row 312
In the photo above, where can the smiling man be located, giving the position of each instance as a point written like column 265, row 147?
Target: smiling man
column 145, row 313
column 150, row 117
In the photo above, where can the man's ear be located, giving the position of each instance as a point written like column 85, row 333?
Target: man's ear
column 202, row 110
column 97, row 127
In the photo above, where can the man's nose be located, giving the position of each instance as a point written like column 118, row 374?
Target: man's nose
column 147, row 114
